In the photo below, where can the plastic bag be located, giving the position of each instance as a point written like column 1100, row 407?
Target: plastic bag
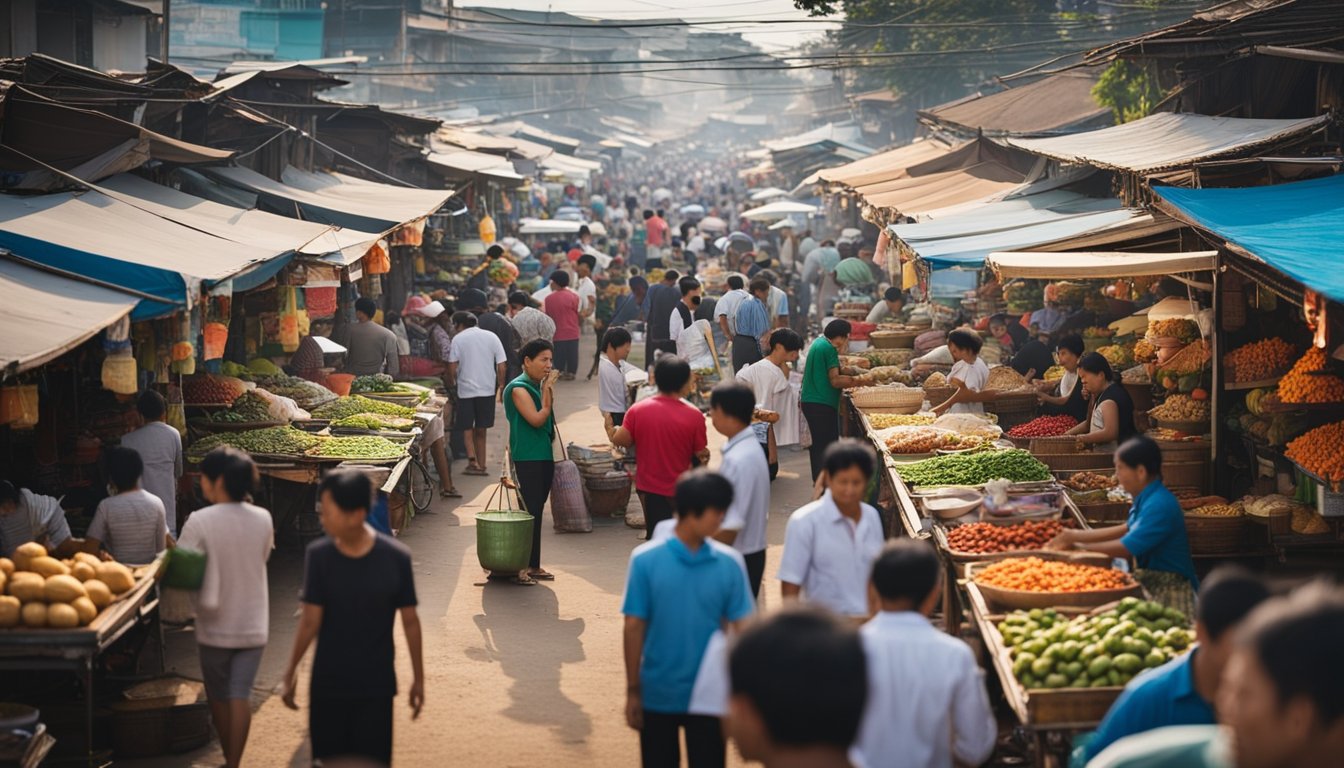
column 282, row 408
column 216, row 336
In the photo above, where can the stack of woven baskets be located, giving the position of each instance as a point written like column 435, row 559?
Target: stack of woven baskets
column 606, row 489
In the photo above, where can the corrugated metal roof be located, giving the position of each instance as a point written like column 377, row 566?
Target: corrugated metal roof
column 1167, row 140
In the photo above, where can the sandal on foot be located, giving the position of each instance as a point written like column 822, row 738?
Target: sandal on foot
column 542, row 575
column 451, row 493
column 524, row 581
column 475, row 471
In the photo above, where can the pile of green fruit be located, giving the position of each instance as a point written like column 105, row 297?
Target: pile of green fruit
column 378, row 382
column 357, row 448
column 374, row 421
column 356, row 404
column 248, row 407
column 1016, row 465
column 286, row 441
column 1096, row 651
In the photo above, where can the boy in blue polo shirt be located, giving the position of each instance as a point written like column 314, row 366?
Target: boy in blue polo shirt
column 679, row 592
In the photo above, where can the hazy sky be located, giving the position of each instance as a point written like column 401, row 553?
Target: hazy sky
column 769, row 37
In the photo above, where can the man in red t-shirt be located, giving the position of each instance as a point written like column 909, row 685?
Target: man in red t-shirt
column 562, row 306
column 669, row 435
column 655, row 235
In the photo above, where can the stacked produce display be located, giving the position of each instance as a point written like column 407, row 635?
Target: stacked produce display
column 291, row 442
column 38, row 591
column 989, row 538
column 975, row 469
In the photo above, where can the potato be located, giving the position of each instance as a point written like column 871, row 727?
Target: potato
column 86, row 609
column 35, row 614
column 99, row 594
column 25, row 553
column 10, row 611
column 6, row 566
column 4, row 579
column 47, row 566
column 28, row 587
column 63, row 588
column 85, row 557
column 83, row 571
column 62, row 616
column 116, row 576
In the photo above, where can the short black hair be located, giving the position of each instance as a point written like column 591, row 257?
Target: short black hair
column 1227, row 597
column 366, row 306
column 151, row 405
column 838, row 329
column 786, row 338
column 349, row 488
column 758, row 285
column 701, row 490
column 560, row 277
column 671, row 373
column 688, row 284
column 965, row 339
column 893, row 294
column 846, row 453
column 615, row 337
column 1297, row 640
column 588, row 260
column 1141, row 451
column 495, row 251
column 531, row 349
column 671, row 276
column 805, row 672
column 735, row 282
column 1073, row 343
column 124, row 467
column 236, row 469
column 519, row 299
column 464, row 319
column 583, row 230
column 1093, row 362
column 648, row 214
column 769, row 275
column 9, row 493
column 907, row 569
column 735, row 399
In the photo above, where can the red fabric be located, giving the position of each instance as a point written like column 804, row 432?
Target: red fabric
column 563, row 308
column 668, row 432
column 656, row 230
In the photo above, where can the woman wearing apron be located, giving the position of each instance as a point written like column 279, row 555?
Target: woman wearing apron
column 1153, row 535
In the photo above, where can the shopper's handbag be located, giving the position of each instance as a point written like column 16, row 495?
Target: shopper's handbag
column 569, row 510
column 183, row 575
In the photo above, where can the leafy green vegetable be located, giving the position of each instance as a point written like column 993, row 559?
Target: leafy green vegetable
column 975, row 469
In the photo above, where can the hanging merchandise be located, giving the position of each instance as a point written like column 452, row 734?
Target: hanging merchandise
column 146, row 346
column 321, row 302
column 486, row 229
column 183, row 352
column 216, row 336
column 289, row 320
column 119, row 374
column 377, row 261
column 18, row 406
column 412, row 234
column 176, row 417
column 117, row 337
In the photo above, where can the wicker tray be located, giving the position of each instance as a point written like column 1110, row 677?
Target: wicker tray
column 1013, row 599
column 1107, row 512
column 892, row 339
column 904, row 400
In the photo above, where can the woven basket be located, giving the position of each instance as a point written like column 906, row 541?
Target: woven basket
column 892, row 339
column 504, row 540
column 889, row 399
column 1013, row 408
column 1077, row 462
column 938, row 395
column 1186, row 474
column 608, row 495
column 1020, row 599
column 1042, row 446
column 1109, row 512
column 1215, row 535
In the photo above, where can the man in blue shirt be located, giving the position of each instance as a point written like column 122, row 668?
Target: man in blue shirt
column 679, row 592
column 752, row 323
column 1182, row 691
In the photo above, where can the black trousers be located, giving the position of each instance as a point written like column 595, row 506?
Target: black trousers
column 567, row 356
column 656, row 509
column 755, row 571
column 351, row 728
column 824, row 423
column 660, row 742
column 534, row 485
column 746, row 350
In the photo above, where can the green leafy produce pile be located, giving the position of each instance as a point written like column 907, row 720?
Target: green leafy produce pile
column 357, row 448
column 355, row 404
column 249, row 406
column 1016, row 465
column 272, row 440
column 374, row 421
column 306, row 394
column 379, row 382
column 1050, row 651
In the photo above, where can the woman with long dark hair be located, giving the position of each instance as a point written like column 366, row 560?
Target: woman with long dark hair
column 1112, row 419
column 528, row 405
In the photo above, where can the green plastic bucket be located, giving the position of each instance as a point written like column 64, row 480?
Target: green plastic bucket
column 504, row 540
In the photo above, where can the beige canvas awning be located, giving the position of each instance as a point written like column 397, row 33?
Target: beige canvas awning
column 1086, row 265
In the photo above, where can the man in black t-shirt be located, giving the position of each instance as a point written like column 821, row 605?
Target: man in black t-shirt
column 355, row 582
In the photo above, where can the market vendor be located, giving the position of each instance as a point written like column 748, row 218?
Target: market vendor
column 1009, row 333
column 890, row 309
column 26, row 516
column 1154, row 534
column 372, row 348
column 1112, row 421
column 1033, row 358
column 969, row 375
column 1065, row 396
column 823, row 381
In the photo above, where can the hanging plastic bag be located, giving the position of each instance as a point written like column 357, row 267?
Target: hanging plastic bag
column 289, row 321
column 377, row 261
column 176, row 417
column 117, row 336
column 216, row 336
column 119, row 374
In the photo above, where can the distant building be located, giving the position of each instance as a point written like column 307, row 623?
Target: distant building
column 102, row 34
column 211, row 33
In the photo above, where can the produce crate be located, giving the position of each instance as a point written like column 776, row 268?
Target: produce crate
column 1108, row 513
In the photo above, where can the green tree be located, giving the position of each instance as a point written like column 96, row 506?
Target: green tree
column 1129, row 90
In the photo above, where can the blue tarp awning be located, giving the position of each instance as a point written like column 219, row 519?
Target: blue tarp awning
column 1293, row 227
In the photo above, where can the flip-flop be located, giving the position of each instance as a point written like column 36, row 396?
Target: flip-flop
column 542, row 575
column 451, row 493
column 474, row 471
column 524, row 581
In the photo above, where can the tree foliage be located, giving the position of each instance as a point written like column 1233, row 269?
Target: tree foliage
column 1129, row 90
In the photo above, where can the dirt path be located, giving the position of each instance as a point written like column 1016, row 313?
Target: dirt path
column 515, row 676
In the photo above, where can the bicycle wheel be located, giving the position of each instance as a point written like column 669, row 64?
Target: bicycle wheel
column 420, row 485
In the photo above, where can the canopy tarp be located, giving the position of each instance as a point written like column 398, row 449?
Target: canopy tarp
column 969, row 250
column 777, row 210
column 1091, row 265
column 893, row 162
column 559, row 161
column 915, row 195
column 464, row 163
column 1002, row 215
column 484, row 142
column 337, row 199
column 252, row 227
column 1051, row 104
column 1293, row 227
column 47, row 315
column 99, row 237
column 1167, row 140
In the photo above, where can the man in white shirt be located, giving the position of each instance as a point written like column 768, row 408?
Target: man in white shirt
column 927, row 703
column 683, row 313
column 26, row 516
column 725, row 311
column 893, row 301
column 612, row 391
column 744, row 464
column 777, row 303
column 160, row 448
column 477, row 364
column 585, row 286
column 830, row 544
